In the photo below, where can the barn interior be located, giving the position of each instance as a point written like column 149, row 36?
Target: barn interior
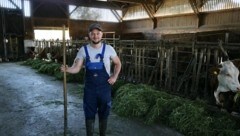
column 169, row 44
column 187, row 20
column 157, row 40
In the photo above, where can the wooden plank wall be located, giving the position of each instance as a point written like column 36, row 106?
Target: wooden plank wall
column 181, row 68
column 79, row 29
column 188, row 23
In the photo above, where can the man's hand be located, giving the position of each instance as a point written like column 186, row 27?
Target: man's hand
column 112, row 80
column 116, row 70
column 64, row 68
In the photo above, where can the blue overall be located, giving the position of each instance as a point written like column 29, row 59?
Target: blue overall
column 97, row 90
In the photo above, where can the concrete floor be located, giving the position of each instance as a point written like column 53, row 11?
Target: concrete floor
column 32, row 105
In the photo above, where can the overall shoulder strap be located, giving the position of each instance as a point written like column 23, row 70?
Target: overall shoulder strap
column 86, row 52
column 103, row 51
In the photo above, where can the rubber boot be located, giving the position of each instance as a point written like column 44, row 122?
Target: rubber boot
column 89, row 127
column 102, row 127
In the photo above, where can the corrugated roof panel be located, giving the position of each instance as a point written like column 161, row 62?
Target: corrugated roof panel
column 11, row 5
column 136, row 12
column 174, row 7
column 214, row 5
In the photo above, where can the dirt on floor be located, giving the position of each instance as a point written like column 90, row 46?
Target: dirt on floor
column 32, row 105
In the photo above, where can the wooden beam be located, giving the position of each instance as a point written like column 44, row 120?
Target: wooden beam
column 133, row 1
column 63, row 10
column 36, row 8
column 84, row 3
column 150, row 11
column 126, row 1
column 119, row 18
column 196, row 11
column 17, row 7
column 194, row 6
column 73, row 10
column 158, row 4
column 124, row 12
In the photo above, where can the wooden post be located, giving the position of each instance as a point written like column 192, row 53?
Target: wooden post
column 206, row 94
column 176, row 68
column 143, row 65
column 162, row 58
column 64, row 83
column 194, row 73
column 202, row 52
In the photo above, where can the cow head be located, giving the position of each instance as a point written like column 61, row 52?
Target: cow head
column 227, row 79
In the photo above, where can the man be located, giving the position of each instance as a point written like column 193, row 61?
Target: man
column 98, row 79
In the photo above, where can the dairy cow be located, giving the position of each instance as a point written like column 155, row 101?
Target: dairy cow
column 227, row 79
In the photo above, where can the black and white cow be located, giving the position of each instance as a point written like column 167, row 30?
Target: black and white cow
column 227, row 79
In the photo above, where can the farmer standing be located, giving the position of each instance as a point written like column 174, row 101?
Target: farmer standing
column 97, row 57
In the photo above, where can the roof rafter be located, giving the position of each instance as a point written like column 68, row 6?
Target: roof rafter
column 150, row 11
column 158, row 4
column 84, row 3
column 134, row 1
column 194, row 6
column 14, row 4
column 119, row 18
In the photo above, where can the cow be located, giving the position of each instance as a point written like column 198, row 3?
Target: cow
column 226, row 77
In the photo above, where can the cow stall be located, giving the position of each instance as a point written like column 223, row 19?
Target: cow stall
column 181, row 68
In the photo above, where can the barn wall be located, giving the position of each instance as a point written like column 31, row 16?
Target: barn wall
column 12, row 34
column 143, row 29
column 29, row 31
column 189, row 23
column 225, row 19
column 79, row 28
column 135, row 26
column 50, row 22
column 171, row 24
column 46, row 14
column 37, row 22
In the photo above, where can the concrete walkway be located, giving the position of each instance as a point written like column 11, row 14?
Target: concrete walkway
column 32, row 105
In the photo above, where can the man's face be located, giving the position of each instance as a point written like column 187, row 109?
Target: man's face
column 95, row 36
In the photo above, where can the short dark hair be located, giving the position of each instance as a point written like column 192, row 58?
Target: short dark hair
column 95, row 26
